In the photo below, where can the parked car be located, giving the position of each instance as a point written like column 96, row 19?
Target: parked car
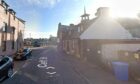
column 23, row 54
column 27, row 52
column 6, row 67
column 36, row 44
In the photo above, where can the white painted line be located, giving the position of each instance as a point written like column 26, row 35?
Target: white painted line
column 14, row 73
column 51, row 73
column 45, row 58
column 50, row 68
column 41, row 65
column 43, row 61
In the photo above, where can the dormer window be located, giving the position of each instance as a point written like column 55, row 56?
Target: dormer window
column 5, row 5
column 13, row 13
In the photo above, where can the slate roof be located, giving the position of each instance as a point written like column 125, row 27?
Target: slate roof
column 105, row 28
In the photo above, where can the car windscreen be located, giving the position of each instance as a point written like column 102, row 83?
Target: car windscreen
column 3, row 61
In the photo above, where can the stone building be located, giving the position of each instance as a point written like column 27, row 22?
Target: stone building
column 100, row 39
column 69, row 35
column 106, row 36
column 11, row 30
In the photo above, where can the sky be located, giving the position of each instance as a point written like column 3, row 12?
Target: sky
column 42, row 16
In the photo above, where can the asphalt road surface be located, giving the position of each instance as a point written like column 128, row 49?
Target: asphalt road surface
column 52, row 66
column 47, row 66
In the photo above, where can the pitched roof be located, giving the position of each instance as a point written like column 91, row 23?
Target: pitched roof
column 106, row 28
column 23, row 21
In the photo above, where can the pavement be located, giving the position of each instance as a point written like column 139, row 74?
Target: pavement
column 50, row 65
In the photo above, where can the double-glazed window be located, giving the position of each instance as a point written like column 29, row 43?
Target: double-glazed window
column 4, row 36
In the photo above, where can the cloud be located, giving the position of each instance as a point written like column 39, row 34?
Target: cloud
column 43, row 3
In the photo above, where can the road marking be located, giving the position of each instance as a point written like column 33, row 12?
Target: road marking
column 41, row 58
column 51, row 73
column 50, row 68
column 41, row 65
column 14, row 73
column 43, row 61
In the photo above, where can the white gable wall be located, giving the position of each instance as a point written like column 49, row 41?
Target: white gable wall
column 106, row 28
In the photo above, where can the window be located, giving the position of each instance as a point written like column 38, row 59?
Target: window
column 70, row 32
column 79, row 29
column 13, row 37
column 3, row 45
column 4, row 29
column 6, row 11
column 4, row 37
column 13, row 45
column 73, row 42
column 14, row 17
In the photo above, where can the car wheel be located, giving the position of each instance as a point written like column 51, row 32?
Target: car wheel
column 10, row 72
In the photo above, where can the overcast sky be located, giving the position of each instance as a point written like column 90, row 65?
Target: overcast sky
column 42, row 16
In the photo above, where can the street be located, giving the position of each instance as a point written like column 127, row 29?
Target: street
column 51, row 66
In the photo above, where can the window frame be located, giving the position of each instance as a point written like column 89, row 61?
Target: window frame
column 4, row 37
